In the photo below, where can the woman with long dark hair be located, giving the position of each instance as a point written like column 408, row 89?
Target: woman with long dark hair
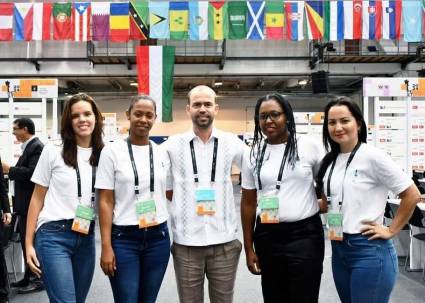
column 356, row 179
column 61, row 212
column 133, row 209
column 283, row 234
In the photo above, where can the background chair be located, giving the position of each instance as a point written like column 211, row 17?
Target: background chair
column 417, row 220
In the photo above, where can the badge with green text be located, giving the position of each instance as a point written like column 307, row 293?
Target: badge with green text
column 83, row 217
column 146, row 213
column 269, row 207
column 335, row 231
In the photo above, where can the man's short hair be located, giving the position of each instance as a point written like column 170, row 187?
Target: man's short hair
column 25, row 122
column 198, row 88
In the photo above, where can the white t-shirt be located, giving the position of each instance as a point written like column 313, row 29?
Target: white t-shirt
column 61, row 199
column 188, row 227
column 369, row 178
column 297, row 197
column 115, row 172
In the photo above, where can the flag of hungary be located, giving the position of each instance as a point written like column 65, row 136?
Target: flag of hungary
column 155, row 70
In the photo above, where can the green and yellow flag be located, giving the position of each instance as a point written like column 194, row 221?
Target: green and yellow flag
column 218, row 21
column 179, row 20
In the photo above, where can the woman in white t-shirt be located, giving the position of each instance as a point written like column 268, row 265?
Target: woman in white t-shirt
column 356, row 178
column 283, row 234
column 61, row 212
column 133, row 209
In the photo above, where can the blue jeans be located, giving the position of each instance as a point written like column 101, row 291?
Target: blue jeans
column 67, row 261
column 364, row 270
column 141, row 257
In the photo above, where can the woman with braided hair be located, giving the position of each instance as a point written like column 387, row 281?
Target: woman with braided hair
column 283, row 234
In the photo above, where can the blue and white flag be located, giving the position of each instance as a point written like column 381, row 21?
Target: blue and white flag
column 412, row 20
column 255, row 20
column 198, row 20
column 336, row 20
column 159, row 20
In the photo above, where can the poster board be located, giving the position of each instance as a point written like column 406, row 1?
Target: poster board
column 399, row 118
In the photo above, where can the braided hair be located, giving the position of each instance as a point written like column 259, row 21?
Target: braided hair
column 291, row 155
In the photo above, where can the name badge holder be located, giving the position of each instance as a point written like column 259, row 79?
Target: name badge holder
column 145, row 209
column 205, row 197
column 269, row 204
column 334, row 223
column 205, row 201
column 335, row 216
column 84, row 214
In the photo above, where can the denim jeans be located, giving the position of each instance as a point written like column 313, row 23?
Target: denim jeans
column 67, row 261
column 364, row 270
column 141, row 257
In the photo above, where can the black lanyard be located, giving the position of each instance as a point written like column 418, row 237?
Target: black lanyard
column 93, row 181
column 136, row 175
column 213, row 165
column 350, row 158
column 282, row 166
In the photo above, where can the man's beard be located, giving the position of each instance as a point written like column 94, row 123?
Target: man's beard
column 202, row 125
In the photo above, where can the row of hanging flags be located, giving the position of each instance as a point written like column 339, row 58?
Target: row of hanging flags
column 213, row 20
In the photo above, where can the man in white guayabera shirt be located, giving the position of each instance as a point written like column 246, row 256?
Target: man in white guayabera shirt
column 203, row 215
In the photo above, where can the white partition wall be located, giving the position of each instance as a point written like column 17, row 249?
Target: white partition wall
column 399, row 129
column 25, row 98
column 399, row 118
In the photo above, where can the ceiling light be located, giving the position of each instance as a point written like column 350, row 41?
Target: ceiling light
column 303, row 82
column 134, row 84
column 218, row 83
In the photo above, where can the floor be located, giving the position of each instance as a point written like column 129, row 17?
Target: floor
column 410, row 287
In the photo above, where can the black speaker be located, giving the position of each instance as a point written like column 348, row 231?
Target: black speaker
column 320, row 82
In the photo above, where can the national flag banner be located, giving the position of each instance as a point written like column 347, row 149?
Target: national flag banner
column 100, row 20
column 218, row 21
column 159, row 20
column 334, row 20
column 82, row 13
column 139, row 20
column 423, row 17
column 23, row 16
column 41, row 22
column 255, row 20
column 198, row 20
column 179, row 20
column 274, row 17
column 155, row 71
column 6, row 21
column 391, row 19
column 315, row 24
column 412, row 20
column 353, row 19
column 372, row 20
column 237, row 11
column 294, row 15
column 119, row 22
column 62, row 21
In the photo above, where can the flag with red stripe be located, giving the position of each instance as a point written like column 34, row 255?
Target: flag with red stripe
column 6, row 21
column 42, row 16
column 82, row 13
column 155, row 70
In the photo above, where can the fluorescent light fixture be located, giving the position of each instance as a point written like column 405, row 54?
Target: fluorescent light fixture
column 303, row 82
column 134, row 84
column 218, row 83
